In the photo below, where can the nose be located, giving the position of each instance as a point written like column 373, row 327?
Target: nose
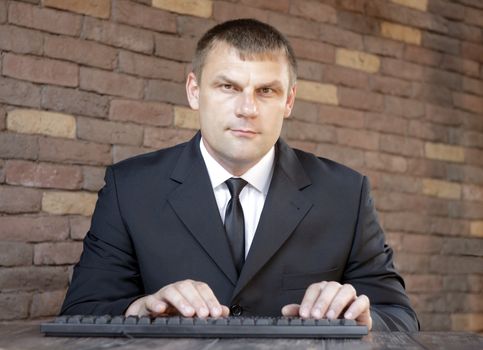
column 247, row 106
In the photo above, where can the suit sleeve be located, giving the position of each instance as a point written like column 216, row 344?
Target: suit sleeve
column 106, row 279
column 371, row 271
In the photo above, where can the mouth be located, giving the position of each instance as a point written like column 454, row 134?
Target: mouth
column 241, row 132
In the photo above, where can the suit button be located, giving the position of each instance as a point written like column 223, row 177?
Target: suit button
column 236, row 310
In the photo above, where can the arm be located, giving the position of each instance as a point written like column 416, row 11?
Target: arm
column 369, row 278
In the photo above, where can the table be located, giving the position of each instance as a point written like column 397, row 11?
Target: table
column 22, row 336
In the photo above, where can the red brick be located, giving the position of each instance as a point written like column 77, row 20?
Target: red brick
column 340, row 37
column 412, row 263
column 3, row 12
column 298, row 27
column 297, row 130
column 44, row 19
column 2, row 171
column 3, row 116
column 383, row 46
column 57, row 253
column 353, row 5
column 408, row 222
column 401, row 69
column 346, row 155
column 47, row 303
column 310, row 70
column 427, row 21
column 124, row 152
column 385, row 162
column 465, row 32
column 79, row 226
column 195, row 26
column 305, row 111
column 302, row 145
column 423, row 283
column 32, row 174
column 223, row 11
column 109, row 132
column 173, row 47
column 76, row 152
column 390, row 86
column 143, row 16
column 403, row 107
column 280, row 6
column 313, row 10
column 435, row 322
column 33, row 228
column 19, row 200
column 20, row 40
column 33, row 278
column 166, row 91
column 474, row 86
column 360, row 99
column 401, row 145
column 74, row 101
column 15, row 254
column 151, row 67
column 346, row 77
column 463, row 283
column 93, row 178
column 441, row 77
column 468, row 102
column 18, row 146
column 313, row 50
column 19, row 93
column 463, row 246
column 385, row 123
column 40, row 70
column 428, row 131
column 447, row 9
column 110, row 83
column 340, row 117
column 162, row 138
column 456, row 264
column 118, row 35
column 441, row 115
column 357, row 22
column 141, row 112
column 75, row 50
column 436, row 94
column 421, row 55
column 402, row 183
column 475, row 157
column 441, row 43
column 358, row 138
column 14, row 305
column 473, row 16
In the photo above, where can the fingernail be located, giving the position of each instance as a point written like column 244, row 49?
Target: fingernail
column 188, row 309
column 304, row 312
column 348, row 315
column 331, row 314
column 158, row 308
column 317, row 313
column 216, row 310
column 204, row 311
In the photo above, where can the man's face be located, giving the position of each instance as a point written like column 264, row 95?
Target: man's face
column 242, row 104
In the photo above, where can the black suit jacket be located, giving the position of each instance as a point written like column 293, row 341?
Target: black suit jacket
column 156, row 222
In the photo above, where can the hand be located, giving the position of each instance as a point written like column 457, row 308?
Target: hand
column 331, row 300
column 188, row 298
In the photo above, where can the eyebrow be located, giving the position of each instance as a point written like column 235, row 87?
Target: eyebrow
column 274, row 83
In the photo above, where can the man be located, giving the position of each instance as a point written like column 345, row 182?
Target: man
column 171, row 235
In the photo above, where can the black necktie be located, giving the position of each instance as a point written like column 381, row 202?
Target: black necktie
column 235, row 222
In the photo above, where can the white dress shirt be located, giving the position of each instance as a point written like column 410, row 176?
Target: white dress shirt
column 252, row 197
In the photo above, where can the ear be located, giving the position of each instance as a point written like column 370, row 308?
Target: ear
column 193, row 91
column 290, row 100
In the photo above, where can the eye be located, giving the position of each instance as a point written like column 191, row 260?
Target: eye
column 266, row 91
column 228, row 87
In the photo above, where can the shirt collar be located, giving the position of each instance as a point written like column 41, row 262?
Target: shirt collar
column 258, row 176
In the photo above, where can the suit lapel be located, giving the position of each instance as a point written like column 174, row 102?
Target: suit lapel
column 195, row 204
column 285, row 206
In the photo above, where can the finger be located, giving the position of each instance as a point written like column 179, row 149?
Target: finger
column 359, row 310
column 291, row 310
column 191, row 294
column 213, row 305
column 225, row 311
column 153, row 306
column 311, row 295
column 344, row 297
column 324, row 300
column 171, row 295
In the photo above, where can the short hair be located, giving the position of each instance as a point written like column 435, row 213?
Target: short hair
column 250, row 37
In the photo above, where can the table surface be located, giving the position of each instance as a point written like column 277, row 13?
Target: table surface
column 21, row 336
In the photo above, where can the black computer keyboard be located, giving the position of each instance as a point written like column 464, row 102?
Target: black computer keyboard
column 230, row 327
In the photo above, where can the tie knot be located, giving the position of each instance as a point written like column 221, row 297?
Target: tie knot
column 235, row 185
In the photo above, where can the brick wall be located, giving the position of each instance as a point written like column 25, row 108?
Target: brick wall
column 393, row 88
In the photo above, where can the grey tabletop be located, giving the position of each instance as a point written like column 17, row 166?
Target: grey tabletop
column 20, row 336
